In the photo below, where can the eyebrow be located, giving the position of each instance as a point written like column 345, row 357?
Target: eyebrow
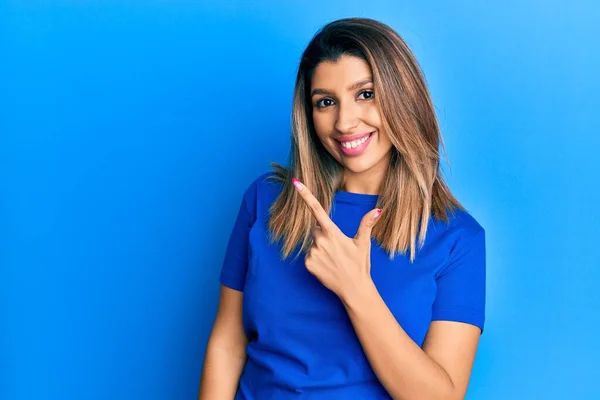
column 354, row 86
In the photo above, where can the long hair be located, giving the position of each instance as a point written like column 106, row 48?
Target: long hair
column 413, row 188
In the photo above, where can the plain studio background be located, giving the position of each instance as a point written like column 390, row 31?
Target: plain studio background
column 129, row 131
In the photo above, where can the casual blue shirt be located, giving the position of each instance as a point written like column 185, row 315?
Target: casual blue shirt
column 301, row 341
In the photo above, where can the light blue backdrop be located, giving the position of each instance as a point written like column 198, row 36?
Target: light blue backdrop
column 129, row 131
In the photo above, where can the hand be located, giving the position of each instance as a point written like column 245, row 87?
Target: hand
column 341, row 263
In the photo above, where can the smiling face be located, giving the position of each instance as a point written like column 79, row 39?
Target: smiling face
column 346, row 117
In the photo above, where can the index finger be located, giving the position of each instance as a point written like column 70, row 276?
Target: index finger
column 315, row 207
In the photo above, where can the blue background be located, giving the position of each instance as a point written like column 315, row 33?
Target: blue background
column 129, row 132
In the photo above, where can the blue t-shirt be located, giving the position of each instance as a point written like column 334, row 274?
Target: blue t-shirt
column 301, row 341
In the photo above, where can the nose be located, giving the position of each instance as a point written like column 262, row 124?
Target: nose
column 347, row 118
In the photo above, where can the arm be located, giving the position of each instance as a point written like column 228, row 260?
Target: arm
column 440, row 370
column 226, row 350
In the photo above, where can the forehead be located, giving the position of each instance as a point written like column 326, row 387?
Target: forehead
column 346, row 70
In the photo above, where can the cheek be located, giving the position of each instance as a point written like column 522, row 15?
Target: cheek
column 373, row 117
column 385, row 144
column 319, row 121
column 322, row 126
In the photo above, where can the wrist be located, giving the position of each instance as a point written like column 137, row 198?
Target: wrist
column 359, row 295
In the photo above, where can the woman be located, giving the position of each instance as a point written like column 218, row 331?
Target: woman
column 354, row 273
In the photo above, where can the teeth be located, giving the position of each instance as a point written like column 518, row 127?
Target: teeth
column 354, row 143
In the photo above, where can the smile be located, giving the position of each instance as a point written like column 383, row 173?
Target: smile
column 356, row 146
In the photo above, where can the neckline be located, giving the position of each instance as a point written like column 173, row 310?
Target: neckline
column 351, row 197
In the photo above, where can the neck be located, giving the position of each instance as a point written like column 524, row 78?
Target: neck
column 365, row 182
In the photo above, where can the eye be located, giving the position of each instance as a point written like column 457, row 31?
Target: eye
column 369, row 94
column 324, row 102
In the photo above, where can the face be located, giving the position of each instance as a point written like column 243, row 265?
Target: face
column 346, row 117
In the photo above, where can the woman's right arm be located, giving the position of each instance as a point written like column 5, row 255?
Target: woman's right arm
column 226, row 350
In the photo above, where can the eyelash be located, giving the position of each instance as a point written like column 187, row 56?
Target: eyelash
column 318, row 103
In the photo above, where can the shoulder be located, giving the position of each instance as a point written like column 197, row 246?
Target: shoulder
column 461, row 224
column 262, row 191
column 462, row 239
column 264, row 184
column 462, row 231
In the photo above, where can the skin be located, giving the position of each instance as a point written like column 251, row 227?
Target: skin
column 441, row 368
column 438, row 371
column 341, row 109
column 226, row 349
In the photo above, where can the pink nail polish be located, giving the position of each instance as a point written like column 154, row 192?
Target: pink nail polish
column 378, row 212
column 297, row 184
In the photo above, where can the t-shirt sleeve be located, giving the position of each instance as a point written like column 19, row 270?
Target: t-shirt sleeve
column 461, row 284
column 235, row 262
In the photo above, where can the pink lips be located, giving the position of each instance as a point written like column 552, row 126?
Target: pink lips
column 354, row 151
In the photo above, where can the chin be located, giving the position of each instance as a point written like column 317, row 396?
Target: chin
column 358, row 166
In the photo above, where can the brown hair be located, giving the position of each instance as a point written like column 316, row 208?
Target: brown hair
column 413, row 188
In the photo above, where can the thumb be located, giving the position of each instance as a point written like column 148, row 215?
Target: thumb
column 363, row 236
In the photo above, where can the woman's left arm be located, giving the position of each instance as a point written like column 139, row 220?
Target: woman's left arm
column 441, row 369
column 438, row 371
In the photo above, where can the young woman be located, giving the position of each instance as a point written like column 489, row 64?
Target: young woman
column 353, row 273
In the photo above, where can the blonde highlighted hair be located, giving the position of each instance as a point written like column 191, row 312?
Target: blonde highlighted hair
column 413, row 189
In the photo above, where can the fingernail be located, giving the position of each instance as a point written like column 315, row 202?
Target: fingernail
column 297, row 184
column 377, row 213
